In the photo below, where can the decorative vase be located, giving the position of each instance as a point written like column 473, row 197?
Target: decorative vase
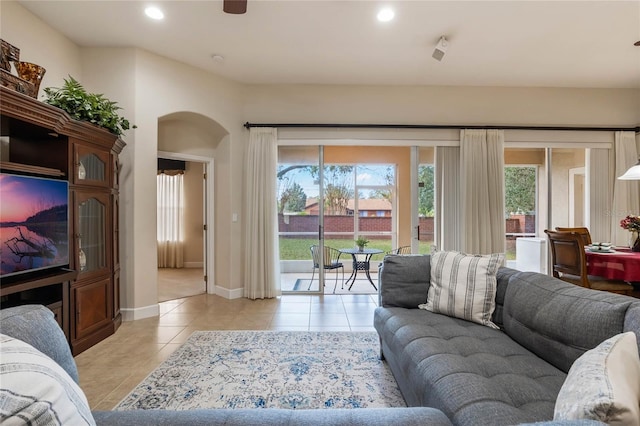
column 32, row 73
column 634, row 241
column 360, row 248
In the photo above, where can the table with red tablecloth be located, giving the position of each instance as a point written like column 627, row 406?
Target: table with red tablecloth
column 623, row 264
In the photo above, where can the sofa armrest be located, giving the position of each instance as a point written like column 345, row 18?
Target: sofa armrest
column 35, row 325
column 418, row 416
column 404, row 280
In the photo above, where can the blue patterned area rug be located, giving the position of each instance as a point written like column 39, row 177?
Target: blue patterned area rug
column 270, row 369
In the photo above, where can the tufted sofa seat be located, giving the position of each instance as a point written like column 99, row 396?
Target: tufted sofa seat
column 477, row 375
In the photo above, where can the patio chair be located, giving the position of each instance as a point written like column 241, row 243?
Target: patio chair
column 569, row 263
column 400, row 250
column 331, row 261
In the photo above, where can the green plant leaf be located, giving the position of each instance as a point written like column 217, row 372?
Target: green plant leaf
column 92, row 107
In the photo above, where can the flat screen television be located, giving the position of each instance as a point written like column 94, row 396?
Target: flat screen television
column 34, row 224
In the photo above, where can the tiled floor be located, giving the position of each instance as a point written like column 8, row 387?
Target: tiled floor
column 112, row 368
column 176, row 283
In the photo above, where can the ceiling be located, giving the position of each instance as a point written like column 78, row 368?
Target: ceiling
column 501, row 43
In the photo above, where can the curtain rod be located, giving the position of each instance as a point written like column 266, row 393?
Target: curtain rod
column 248, row 125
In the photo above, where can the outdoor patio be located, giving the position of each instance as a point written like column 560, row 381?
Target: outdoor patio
column 299, row 281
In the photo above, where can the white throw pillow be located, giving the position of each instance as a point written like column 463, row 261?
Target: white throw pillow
column 464, row 285
column 34, row 389
column 603, row 384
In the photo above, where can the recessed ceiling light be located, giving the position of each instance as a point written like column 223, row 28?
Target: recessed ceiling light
column 217, row 58
column 385, row 15
column 154, row 13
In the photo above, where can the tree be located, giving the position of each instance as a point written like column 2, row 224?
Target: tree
column 519, row 189
column 426, row 207
column 338, row 187
column 288, row 188
column 292, row 199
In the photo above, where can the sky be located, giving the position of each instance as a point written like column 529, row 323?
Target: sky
column 370, row 174
column 23, row 196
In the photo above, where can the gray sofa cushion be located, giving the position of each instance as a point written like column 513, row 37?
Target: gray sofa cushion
column 407, row 280
column 35, row 325
column 502, row 277
column 470, row 372
column 267, row 416
column 559, row 321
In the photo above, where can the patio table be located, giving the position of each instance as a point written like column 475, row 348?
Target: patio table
column 360, row 263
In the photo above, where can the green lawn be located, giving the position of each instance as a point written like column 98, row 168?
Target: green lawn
column 298, row 248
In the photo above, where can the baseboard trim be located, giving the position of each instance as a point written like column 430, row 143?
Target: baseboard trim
column 193, row 264
column 140, row 313
column 235, row 293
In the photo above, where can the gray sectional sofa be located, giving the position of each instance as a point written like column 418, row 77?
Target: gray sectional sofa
column 477, row 375
column 36, row 326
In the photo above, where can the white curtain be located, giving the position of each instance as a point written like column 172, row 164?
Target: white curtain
column 626, row 193
column 262, row 265
column 482, row 191
column 170, row 221
column 447, row 198
column 599, row 175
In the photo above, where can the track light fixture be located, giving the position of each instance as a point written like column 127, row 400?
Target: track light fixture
column 441, row 48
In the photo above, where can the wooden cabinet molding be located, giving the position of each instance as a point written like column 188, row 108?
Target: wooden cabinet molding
column 44, row 140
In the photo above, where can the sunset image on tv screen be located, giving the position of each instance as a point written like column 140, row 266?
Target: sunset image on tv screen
column 34, row 226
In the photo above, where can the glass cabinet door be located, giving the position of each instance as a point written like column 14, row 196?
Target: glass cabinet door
column 92, row 249
column 91, row 166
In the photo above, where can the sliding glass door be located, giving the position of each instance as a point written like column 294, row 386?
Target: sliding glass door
column 300, row 204
column 326, row 200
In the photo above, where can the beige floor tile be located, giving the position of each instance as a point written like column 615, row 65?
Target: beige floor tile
column 112, row 368
column 294, row 308
column 177, row 319
column 329, row 328
column 328, row 320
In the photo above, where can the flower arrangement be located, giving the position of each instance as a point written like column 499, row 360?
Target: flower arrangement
column 631, row 223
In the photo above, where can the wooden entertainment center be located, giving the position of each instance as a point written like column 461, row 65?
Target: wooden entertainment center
column 41, row 140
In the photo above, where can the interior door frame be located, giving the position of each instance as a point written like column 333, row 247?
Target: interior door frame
column 573, row 172
column 208, row 213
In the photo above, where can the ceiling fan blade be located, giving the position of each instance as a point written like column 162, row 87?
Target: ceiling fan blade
column 237, row 7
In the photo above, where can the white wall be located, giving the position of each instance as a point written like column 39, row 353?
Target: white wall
column 40, row 44
column 149, row 87
column 442, row 105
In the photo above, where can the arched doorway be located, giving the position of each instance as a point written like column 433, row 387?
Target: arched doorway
column 191, row 140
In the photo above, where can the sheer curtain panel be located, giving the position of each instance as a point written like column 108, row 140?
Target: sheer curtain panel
column 447, row 182
column 626, row 193
column 261, row 258
column 482, row 191
column 170, row 220
column 599, row 175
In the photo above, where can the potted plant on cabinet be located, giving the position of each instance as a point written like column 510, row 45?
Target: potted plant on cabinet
column 84, row 106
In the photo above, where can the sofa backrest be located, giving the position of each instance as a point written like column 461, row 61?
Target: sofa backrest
column 35, row 325
column 404, row 281
column 559, row 321
column 502, row 278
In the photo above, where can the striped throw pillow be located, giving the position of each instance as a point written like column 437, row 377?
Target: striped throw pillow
column 35, row 390
column 464, row 286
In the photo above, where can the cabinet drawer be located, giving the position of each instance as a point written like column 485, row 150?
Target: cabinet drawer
column 92, row 307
